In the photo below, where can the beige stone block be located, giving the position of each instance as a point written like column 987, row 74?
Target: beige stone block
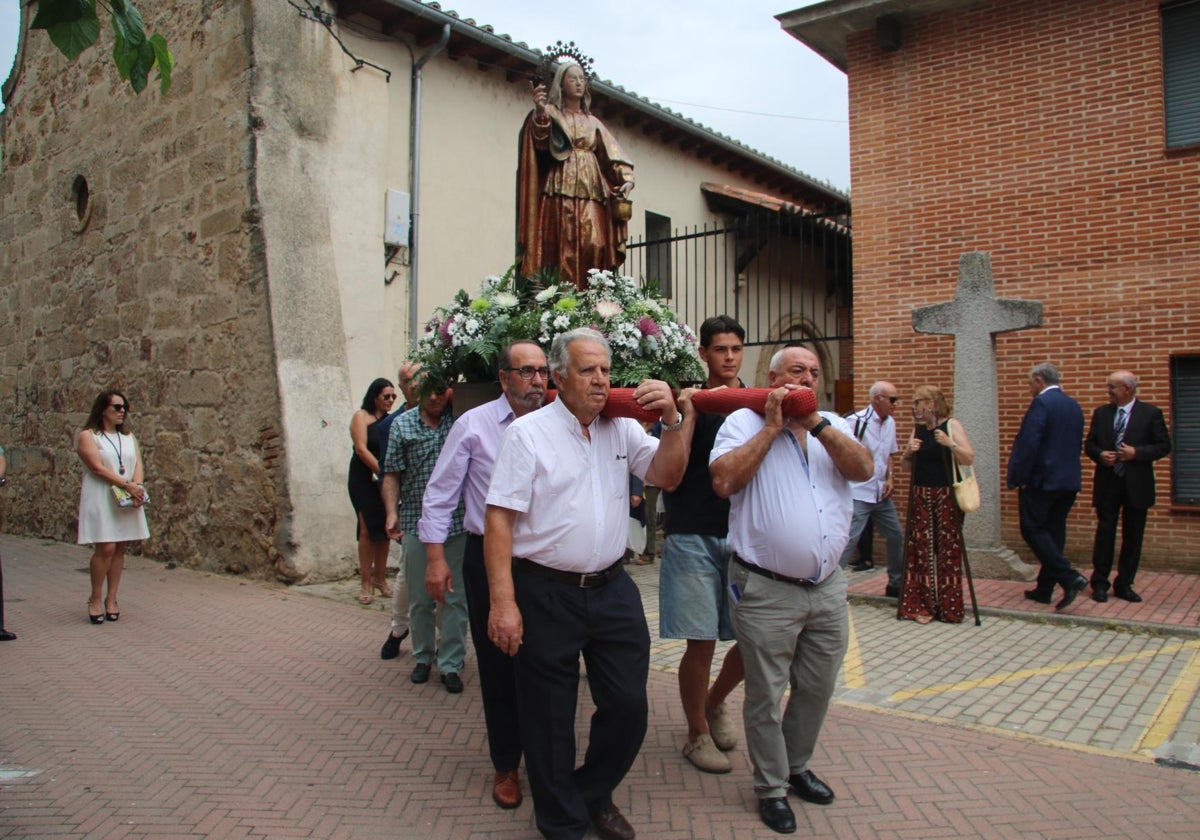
column 200, row 387
column 206, row 433
column 214, row 309
column 224, row 220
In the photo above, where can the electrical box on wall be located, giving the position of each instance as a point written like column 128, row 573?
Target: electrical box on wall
column 397, row 212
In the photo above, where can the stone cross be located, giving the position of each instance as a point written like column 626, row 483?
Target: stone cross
column 973, row 318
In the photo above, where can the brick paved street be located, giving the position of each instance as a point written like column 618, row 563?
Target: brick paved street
column 220, row 707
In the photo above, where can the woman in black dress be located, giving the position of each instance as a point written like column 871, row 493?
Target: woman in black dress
column 363, row 484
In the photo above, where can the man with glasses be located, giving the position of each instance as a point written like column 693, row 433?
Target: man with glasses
column 464, row 471
column 875, row 428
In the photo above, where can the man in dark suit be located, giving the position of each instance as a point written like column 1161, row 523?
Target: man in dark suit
column 1126, row 437
column 1045, row 465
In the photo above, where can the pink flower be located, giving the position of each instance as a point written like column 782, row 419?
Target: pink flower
column 444, row 332
column 648, row 327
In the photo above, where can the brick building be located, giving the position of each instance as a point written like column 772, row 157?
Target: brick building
column 1062, row 137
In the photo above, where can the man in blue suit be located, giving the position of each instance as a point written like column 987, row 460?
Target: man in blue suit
column 1045, row 465
column 1125, row 439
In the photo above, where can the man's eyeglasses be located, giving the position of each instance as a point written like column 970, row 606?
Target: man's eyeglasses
column 528, row 372
column 117, row 406
column 893, row 400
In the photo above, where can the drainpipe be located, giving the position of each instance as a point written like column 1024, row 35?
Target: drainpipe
column 414, row 170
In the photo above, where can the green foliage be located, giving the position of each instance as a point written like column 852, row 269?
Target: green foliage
column 73, row 26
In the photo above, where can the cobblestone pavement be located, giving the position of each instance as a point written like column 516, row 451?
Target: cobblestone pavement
column 222, row 707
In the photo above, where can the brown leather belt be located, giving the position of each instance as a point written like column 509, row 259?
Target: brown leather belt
column 759, row 570
column 591, row 580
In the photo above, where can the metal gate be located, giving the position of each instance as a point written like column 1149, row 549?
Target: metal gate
column 772, row 272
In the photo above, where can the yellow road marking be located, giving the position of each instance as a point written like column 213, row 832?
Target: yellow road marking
column 1173, row 706
column 1026, row 673
column 852, row 665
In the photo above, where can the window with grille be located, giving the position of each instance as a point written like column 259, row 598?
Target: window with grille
column 1185, row 430
column 1181, row 71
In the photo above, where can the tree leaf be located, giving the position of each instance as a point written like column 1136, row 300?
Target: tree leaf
column 128, row 21
column 74, row 36
column 53, row 13
column 164, row 60
column 139, row 71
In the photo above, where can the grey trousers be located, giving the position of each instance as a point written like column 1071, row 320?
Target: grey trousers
column 790, row 636
column 887, row 525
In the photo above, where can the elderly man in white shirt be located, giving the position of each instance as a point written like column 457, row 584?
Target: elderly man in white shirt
column 788, row 481
column 555, row 533
column 875, row 428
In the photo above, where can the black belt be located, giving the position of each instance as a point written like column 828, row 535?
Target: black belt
column 591, row 580
column 759, row 570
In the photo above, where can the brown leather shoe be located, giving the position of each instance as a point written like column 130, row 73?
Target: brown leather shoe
column 506, row 790
column 611, row 824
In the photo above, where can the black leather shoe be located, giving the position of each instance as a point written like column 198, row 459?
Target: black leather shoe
column 777, row 815
column 1070, row 591
column 1126, row 593
column 1034, row 595
column 420, row 673
column 391, row 646
column 891, row 591
column 862, row 566
column 1099, row 595
column 611, row 824
column 811, row 789
column 6, row 636
column 453, row 683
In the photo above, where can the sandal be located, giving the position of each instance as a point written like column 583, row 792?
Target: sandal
column 384, row 590
column 114, row 614
column 95, row 619
column 365, row 598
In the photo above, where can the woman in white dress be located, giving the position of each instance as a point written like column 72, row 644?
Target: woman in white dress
column 113, row 469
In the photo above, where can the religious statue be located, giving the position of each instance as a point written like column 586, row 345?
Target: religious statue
column 573, row 178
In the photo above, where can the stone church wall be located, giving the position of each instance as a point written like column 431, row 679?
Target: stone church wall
column 154, row 284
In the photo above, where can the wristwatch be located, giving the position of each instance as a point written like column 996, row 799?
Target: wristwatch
column 820, row 427
column 674, row 427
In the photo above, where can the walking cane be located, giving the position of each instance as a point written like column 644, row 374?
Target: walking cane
column 965, row 561
column 970, row 580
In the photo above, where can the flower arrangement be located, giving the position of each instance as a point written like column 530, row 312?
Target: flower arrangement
column 464, row 340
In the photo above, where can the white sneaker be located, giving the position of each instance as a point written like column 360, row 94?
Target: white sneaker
column 704, row 754
column 722, row 728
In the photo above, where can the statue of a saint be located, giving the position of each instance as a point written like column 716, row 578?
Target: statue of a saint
column 573, row 183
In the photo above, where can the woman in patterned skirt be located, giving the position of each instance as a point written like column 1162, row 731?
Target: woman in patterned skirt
column 933, row 543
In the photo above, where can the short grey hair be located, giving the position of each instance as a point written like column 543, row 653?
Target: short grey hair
column 777, row 359
column 877, row 389
column 1046, row 372
column 558, row 358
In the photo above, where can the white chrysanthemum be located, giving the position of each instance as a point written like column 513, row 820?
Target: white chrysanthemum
column 608, row 309
column 505, row 300
column 545, row 294
column 471, row 326
column 561, row 322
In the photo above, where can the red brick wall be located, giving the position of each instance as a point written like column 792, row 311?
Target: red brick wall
column 1033, row 130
